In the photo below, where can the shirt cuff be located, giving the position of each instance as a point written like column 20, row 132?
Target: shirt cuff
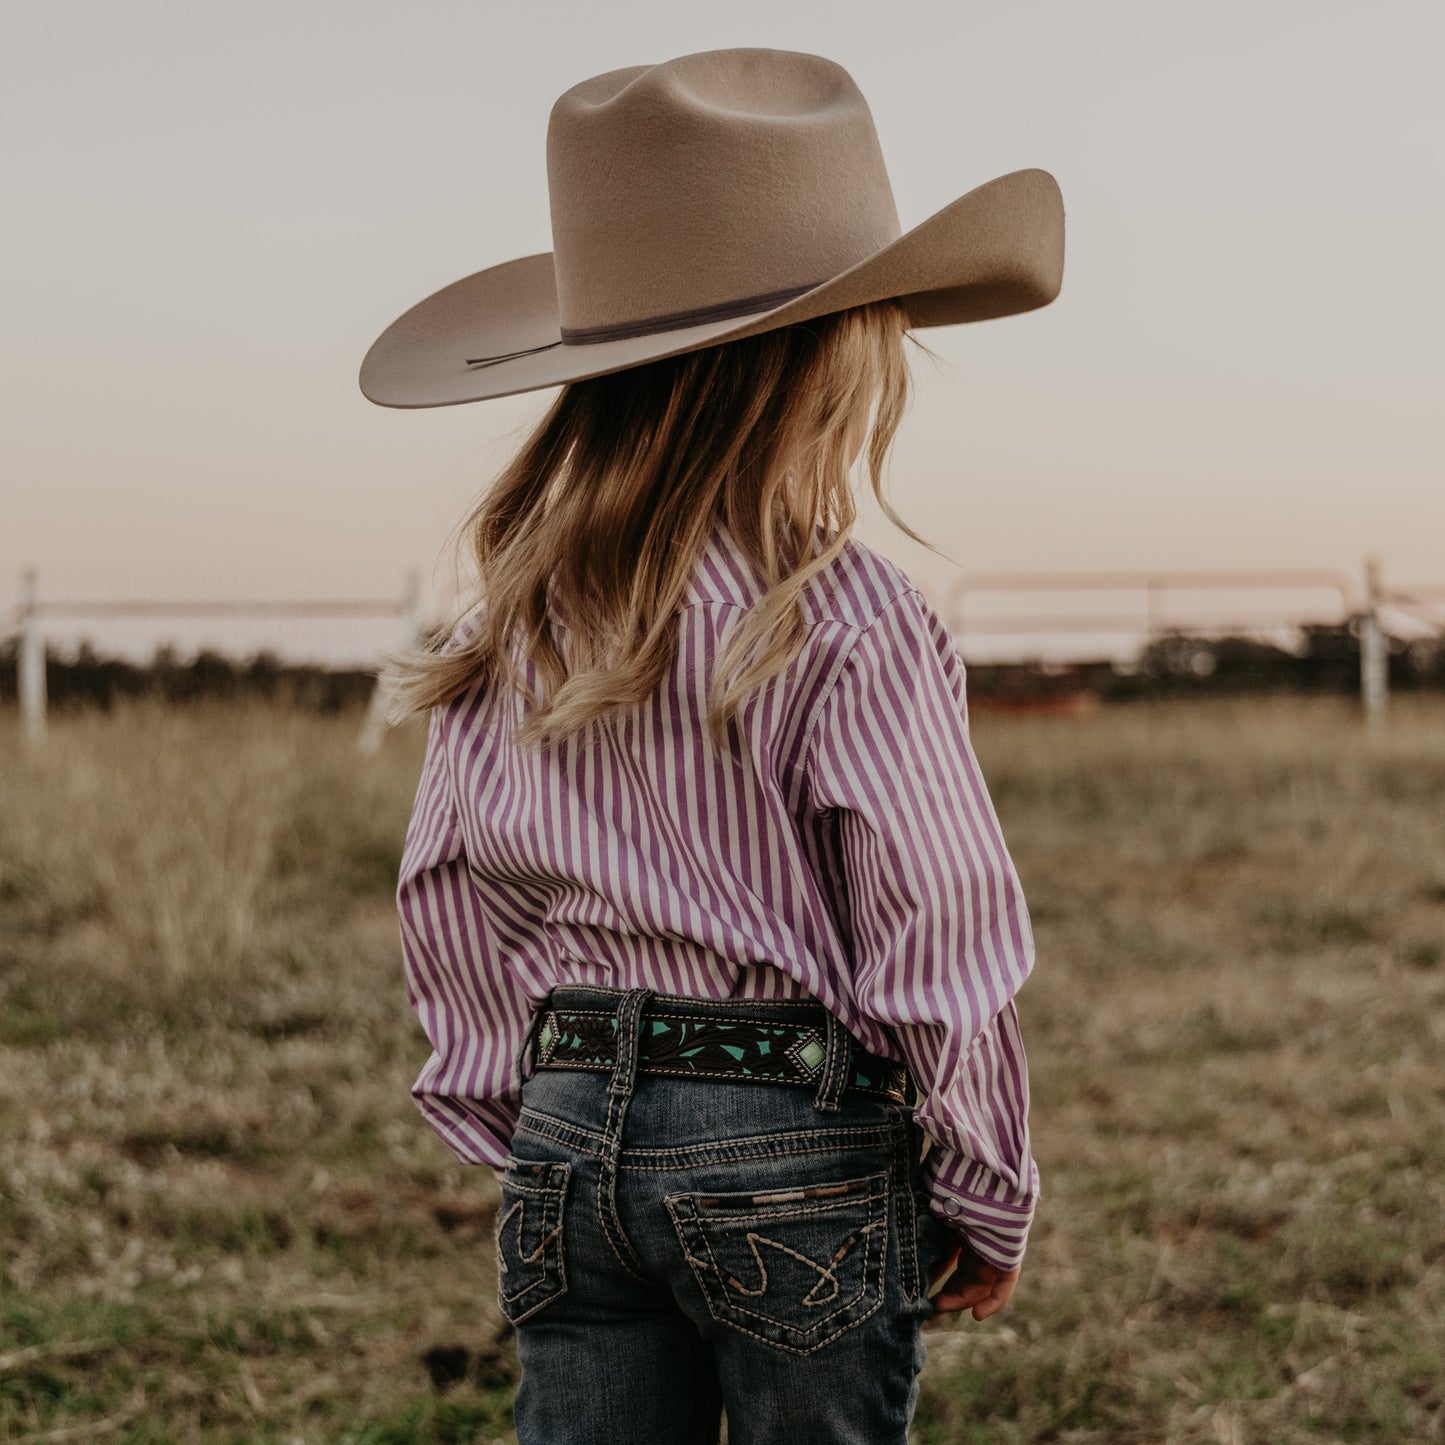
column 978, row 1204
column 477, row 1131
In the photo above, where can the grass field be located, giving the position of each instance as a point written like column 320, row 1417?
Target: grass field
column 221, row 1218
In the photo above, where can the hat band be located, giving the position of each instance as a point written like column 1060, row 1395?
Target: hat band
column 668, row 321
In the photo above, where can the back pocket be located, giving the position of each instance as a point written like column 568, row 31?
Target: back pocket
column 793, row 1267
column 531, row 1269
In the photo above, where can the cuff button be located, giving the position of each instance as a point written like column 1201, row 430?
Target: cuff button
column 951, row 1207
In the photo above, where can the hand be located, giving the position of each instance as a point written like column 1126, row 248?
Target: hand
column 972, row 1284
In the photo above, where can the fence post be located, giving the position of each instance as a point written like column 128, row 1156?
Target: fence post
column 31, row 669
column 373, row 725
column 1374, row 655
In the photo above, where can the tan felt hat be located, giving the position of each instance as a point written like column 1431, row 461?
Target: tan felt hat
column 708, row 198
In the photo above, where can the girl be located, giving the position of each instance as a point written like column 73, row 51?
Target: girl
column 704, row 905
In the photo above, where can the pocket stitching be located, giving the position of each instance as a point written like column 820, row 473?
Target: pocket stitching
column 547, row 1237
column 878, row 1189
column 738, row 1203
column 822, row 1320
column 554, row 1239
column 837, row 1309
column 790, row 1211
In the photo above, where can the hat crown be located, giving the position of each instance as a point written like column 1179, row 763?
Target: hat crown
column 709, row 180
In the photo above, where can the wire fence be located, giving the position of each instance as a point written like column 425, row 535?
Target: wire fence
column 394, row 621
column 1046, row 618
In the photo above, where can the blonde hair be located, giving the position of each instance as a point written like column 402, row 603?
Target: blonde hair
column 598, row 520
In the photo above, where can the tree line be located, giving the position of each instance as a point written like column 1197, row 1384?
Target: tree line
column 1326, row 661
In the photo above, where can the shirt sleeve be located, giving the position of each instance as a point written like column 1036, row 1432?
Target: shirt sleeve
column 471, row 1009
column 938, row 929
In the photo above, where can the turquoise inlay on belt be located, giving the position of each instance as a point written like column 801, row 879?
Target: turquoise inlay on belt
column 769, row 1051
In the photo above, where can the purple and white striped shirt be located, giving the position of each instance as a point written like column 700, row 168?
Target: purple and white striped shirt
column 853, row 856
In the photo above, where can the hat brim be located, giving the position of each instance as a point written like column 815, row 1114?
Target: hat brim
column 996, row 251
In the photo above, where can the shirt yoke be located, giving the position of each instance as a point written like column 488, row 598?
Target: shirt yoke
column 853, row 591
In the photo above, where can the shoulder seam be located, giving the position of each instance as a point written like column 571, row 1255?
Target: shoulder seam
column 861, row 630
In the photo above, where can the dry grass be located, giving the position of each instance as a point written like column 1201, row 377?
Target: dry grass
column 222, row 1219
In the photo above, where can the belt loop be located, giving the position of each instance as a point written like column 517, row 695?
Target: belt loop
column 629, row 1012
column 531, row 1032
column 836, row 1065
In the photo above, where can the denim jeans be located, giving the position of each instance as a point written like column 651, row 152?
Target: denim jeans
column 670, row 1248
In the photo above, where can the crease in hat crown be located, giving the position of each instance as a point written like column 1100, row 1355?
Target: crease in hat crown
column 705, row 199
column 718, row 179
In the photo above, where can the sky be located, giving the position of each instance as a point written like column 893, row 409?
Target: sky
column 212, row 211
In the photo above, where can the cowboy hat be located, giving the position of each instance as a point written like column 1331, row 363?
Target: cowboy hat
column 701, row 200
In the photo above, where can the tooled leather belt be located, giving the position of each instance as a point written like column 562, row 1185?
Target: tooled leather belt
column 733, row 1047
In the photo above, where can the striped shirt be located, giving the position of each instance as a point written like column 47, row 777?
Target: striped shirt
column 849, row 853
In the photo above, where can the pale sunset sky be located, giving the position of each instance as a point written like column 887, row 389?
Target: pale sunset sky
column 212, row 210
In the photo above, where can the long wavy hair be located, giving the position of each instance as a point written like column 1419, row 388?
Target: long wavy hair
column 584, row 546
